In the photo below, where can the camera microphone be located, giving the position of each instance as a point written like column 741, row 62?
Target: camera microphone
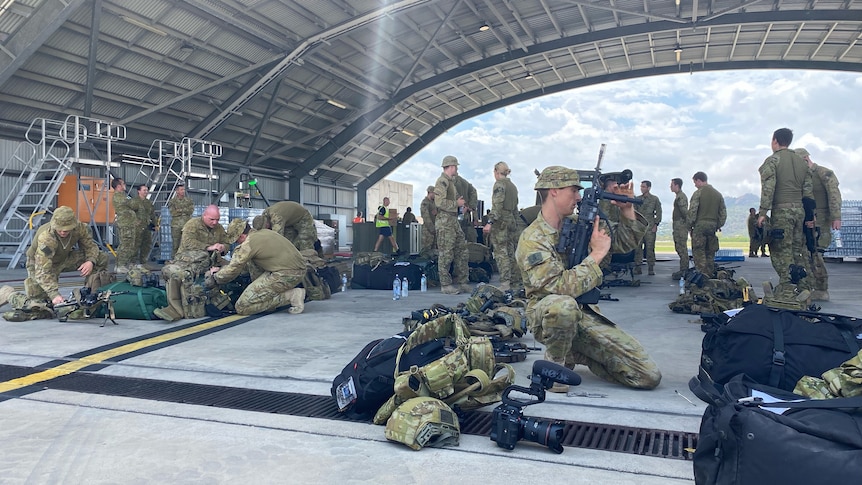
column 556, row 373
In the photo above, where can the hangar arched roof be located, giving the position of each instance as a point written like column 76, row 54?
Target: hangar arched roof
column 349, row 90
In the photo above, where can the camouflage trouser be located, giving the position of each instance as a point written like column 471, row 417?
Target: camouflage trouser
column 429, row 242
column 469, row 230
column 647, row 243
column 504, row 234
column 76, row 259
column 128, row 232
column 704, row 245
column 580, row 335
column 176, row 236
column 267, row 292
column 755, row 244
column 303, row 234
column 817, row 269
column 788, row 250
column 145, row 245
column 680, row 245
column 451, row 247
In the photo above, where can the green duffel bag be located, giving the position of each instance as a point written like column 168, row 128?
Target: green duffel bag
column 137, row 303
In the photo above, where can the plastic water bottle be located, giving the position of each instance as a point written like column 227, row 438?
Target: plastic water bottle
column 396, row 288
column 836, row 235
column 681, row 286
column 343, row 281
column 405, row 287
column 423, row 283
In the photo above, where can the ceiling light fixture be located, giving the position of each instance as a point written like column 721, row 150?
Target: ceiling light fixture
column 337, row 104
column 408, row 132
column 678, row 51
column 143, row 25
column 677, row 3
column 529, row 75
column 484, row 27
column 187, row 47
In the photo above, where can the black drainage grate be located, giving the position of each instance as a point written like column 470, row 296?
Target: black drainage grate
column 620, row 439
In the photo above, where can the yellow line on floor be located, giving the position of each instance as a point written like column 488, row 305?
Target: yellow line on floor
column 99, row 357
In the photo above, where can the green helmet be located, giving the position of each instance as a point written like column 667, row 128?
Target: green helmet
column 64, row 219
column 556, row 177
column 449, row 160
column 423, row 421
column 235, row 229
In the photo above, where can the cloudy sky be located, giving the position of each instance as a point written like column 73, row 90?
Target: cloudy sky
column 661, row 127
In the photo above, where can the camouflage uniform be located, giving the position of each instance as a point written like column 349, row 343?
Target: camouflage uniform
column 706, row 215
column 651, row 210
column 784, row 180
column 756, row 237
column 504, row 228
column 471, row 199
column 451, row 245
column 128, row 228
column 680, row 229
column 275, row 267
column 428, row 210
column 181, row 210
column 49, row 255
column 294, row 222
column 827, row 196
column 575, row 333
column 146, row 220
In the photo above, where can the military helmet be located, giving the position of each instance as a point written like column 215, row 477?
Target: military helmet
column 64, row 219
column 257, row 223
column 430, row 188
column 802, row 152
column 449, row 160
column 556, row 177
column 423, row 421
column 235, row 229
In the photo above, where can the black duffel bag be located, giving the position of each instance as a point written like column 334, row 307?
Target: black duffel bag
column 776, row 347
column 746, row 440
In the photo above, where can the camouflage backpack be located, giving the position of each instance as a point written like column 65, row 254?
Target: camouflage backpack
column 714, row 295
column 371, row 258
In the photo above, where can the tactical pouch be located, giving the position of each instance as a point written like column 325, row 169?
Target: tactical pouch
column 776, row 234
column 193, row 298
column 99, row 279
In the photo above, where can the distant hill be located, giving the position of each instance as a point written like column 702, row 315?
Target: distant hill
column 737, row 217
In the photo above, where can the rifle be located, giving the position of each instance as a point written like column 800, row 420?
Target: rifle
column 811, row 233
column 575, row 234
column 90, row 302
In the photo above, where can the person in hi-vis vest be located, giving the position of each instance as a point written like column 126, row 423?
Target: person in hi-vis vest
column 383, row 221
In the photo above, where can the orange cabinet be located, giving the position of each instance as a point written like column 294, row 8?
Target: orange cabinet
column 94, row 195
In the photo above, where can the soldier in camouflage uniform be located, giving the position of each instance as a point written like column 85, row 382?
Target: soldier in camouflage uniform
column 502, row 226
column 467, row 219
column 680, row 226
column 574, row 333
column 181, row 209
column 827, row 217
column 756, row 235
column 63, row 244
column 706, row 215
column 276, row 267
column 428, row 210
column 126, row 222
column 451, row 245
column 204, row 241
column 147, row 222
column 293, row 221
column 784, row 181
column 651, row 210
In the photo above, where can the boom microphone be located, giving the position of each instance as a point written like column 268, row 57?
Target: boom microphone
column 556, row 373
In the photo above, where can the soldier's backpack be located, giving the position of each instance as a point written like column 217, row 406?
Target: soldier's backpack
column 137, row 303
column 714, row 295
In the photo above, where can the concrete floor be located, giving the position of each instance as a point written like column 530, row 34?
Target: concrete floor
column 65, row 437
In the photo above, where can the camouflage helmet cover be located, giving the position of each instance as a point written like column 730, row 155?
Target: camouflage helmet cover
column 802, row 152
column 449, row 160
column 556, row 177
column 423, row 421
column 235, row 230
column 258, row 223
column 64, row 219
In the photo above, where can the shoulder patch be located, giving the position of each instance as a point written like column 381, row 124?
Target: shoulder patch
column 535, row 258
column 47, row 251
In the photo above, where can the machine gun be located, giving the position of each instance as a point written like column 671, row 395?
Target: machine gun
column 90, row 302
column 575, row 234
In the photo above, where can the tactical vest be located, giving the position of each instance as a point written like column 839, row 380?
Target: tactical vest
column 790, row 171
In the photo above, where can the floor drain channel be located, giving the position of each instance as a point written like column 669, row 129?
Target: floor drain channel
column 620, row 439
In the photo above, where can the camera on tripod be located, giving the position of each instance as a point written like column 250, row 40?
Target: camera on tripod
column 509, row 425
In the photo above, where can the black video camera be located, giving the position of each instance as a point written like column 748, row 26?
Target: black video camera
column 509, row 425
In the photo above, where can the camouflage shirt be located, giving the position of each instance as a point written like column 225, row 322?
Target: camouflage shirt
column 49, row 251
column 123, row 208
column 428, row 209
column 446, row 195
column 784, row 178
column 145, row 211
column 181, row 210
column 826, row 194
column 707, row 205
column 650, row 209
column 198, row 237
column 680, row 209
column 268, row 251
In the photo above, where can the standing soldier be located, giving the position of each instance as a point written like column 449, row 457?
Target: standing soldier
column 706, row 215
column 784, row 181
column 504, row 236
column 466, row 214
column 680, row 226
column 451, row 245
column 126, row 222
column 428, row 210
column 147, row 223
column 63, row 244
column 181, row 209
column 293, row 221
column 651, row 210
column 827, row 218
column 756, row 235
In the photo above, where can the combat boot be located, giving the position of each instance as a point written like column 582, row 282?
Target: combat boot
column 637, row 270
column 5, row 292
column 296, row 298
column 557, row 387
column 465, row 288
column 651, row 271
column 752, row 255
column 450, row 290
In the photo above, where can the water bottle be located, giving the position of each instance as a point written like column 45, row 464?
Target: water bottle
column 405, row 287
column 396, row 288
column 681, row 286
column 836, row 236
column 343, row 281
column 423, row 283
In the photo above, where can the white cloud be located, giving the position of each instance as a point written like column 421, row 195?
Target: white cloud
column 660, row 127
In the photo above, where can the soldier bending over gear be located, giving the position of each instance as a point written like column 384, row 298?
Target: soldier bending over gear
column 574, row 333
column 63, row 244
column 291, row 220
column 276, row 267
